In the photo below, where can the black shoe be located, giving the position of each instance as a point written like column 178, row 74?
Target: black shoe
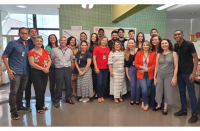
column 193, row 119
column 180, row 113
column 27, row 104
column 15, row 116
column 23, row 109
column 137, row 103
column 132, row 103
column 70, row 102
column 155, row 108
column 164, row 113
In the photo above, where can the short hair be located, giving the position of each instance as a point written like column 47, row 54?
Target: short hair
column 113, row 46
column 114, row 31
column 100, row 29
column 69, row 39
column 121, row 30
column 22, row 28
column 131, row 31
column 84, row 42
column 160, row 50
column 150, row 47
column 83, row 33
column 178, row 30
column 37, row 37
column 62, row 37
column 31, row 29
column 153, row 29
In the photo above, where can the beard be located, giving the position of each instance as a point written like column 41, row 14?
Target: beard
column 114, row 39
column 121, row 36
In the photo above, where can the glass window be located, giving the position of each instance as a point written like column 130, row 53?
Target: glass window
column 47, row 21
column 45, row 34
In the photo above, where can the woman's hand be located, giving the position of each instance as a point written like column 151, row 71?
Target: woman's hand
column 155, row 81
column 111, row 74
column 146, row 69
column 141, row 71
column 173, row 82
column 97, row 70
column 129, row 78
column 45, row 70
column 81, row 73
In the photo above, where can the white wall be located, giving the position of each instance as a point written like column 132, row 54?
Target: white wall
column 196, row 27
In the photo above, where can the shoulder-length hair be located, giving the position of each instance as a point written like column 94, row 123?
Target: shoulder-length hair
column 113, row 46
column 69, row 39
column 159, row 38
column 99, row 42
column 49, row 43
column 150, row 47
column 127, row 54
column 93, row 44
column 137, row 41
column 160, row 50
column 83, row 33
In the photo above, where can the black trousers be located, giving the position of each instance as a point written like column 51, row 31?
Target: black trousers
column 28, row 88
column 52, row 80
column 94, row 79
column 39, row 79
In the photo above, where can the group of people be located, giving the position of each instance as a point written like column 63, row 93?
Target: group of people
column 101, row 67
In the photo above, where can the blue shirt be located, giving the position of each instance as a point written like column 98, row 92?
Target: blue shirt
column 16, row 52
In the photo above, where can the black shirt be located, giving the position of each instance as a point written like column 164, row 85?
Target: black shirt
column 122, row 42
column 82, row 62
column 185, row 59
column 131, row 59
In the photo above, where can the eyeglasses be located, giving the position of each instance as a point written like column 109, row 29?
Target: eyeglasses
column 117, row 45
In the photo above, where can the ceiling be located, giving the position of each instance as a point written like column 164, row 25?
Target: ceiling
column 185, row 12
column 31, row 9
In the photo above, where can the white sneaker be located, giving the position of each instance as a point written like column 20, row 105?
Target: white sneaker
column 86, row 100
column 81, row 99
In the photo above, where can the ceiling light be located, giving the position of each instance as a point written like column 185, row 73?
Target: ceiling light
column 175, row 7
column 165, row 6
column 21, row 6
column 87, row 6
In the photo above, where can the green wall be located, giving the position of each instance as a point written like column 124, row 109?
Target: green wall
column 100, row 16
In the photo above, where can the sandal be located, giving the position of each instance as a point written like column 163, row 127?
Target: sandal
column 40, row 111
column 45, row 108
column 116, row 100
column 120, row 99
column 164, row 112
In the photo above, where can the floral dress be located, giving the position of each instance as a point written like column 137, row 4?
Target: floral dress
column 38, row 59
column 73, row 66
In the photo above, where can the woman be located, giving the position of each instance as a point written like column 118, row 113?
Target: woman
column 83, row 37
column 155, row 39
column 94, row 43
column 131, row 70
column 140, row 40
column 71, row 42
column 40, row 62
column 100, row 60
column 145, row 61
column 52, row 43
column 165, row 74
column 117, row 73
column 84, row 82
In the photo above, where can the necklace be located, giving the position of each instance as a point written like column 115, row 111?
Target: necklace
column 145, row 58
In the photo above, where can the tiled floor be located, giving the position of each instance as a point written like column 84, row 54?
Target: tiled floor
column 93, row 113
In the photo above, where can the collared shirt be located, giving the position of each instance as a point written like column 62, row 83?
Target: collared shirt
column 61, row 58
column 16, row 52
column 185, row 59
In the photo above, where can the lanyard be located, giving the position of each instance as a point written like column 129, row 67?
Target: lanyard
column 103, row 50
column 63, row 51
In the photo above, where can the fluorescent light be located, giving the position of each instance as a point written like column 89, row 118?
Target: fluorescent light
column 87, row 6
column 164, row 6
column 21, row 6
column 175, row 7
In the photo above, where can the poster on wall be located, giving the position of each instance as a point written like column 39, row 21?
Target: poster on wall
column 108, row 30
column 76, row 34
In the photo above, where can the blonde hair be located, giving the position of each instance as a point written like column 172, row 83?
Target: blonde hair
column 150, row 46
column 99, row 42
column 127, row 51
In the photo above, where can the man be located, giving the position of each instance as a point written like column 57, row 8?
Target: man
column 16, row 65
column 101, row 32
column 61, row 57
column 153, row 32
column 121, row 36
column 32, row 34
column 114, row 36
column 131, row 34
column 186, row 74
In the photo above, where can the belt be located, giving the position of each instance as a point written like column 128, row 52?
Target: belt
column 63, row 68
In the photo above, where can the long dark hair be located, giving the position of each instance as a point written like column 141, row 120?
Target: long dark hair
column 69, row 39
column 49, row 43
column 92, row 44
column 159, row 38
column 137, row 41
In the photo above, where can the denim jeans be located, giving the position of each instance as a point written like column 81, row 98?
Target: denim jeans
column 135, row 86
column 144, row 84
column 183, row 80
column 101, row 82
column 17, row 87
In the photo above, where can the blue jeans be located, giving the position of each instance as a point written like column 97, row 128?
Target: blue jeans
column 135, row 86
column 101, row 82
column 144, row 84
column 183, row 80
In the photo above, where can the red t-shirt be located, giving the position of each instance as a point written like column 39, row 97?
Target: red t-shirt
column 102, row 63
column 38, row 59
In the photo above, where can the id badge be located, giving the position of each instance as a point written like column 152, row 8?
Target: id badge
column 23, row 53
column 133, row 63
column 104, row 57
column 64, row 57
column 79, row 62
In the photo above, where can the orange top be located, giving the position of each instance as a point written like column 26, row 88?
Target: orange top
column 151, row 64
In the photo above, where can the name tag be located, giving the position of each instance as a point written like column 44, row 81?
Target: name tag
column 64, row 58
column 79, row 61
column 104, row 57
column 133, row 63
column 23, row 53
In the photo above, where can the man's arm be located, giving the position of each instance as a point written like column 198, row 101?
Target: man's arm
column 192, row 76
